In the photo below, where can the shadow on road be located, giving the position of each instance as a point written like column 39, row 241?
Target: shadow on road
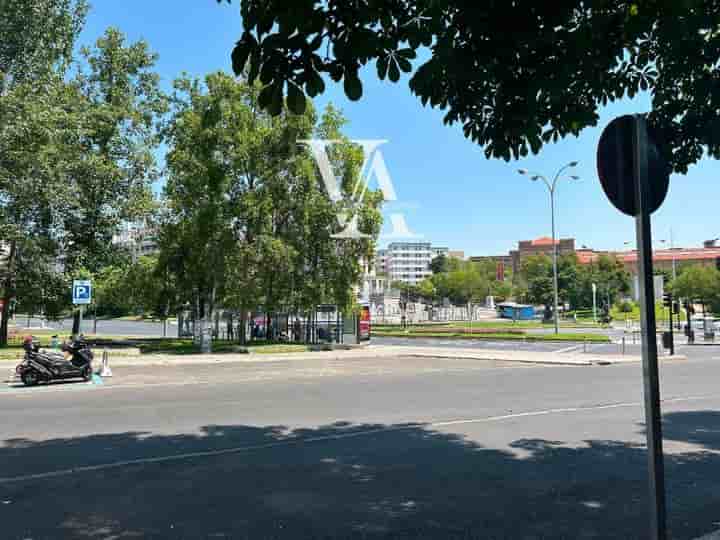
column 339, row 481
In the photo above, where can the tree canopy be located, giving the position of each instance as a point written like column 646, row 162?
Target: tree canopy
column 246, row 223
column 574, row 280
column 698, row 283
column 38, row 37
column 516, row 75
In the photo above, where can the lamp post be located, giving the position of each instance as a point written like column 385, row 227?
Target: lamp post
column 551, row 189
column 594, row 290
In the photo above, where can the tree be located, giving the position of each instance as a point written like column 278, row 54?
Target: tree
column 247, row 223
column 537, row 274
column 120, row 105
column 37, row 37
column 516, row 76
column 35, row 112
column 698, row 284
column 439, row 264
column 463, row 283
column 427, row 290
column 33, row 190
column 613, row 280
column 113, row 164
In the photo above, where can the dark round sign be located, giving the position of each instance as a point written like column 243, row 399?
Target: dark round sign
column 616, row 165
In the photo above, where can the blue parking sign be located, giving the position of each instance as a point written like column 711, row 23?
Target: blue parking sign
column 82, row 291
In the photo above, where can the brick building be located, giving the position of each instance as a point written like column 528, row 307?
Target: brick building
column 526, row 248
column 663, row 259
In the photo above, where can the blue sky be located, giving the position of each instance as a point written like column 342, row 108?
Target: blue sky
column 449, row 192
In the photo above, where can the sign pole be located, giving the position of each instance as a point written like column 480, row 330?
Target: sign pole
column 672, row 336
column 649, row 339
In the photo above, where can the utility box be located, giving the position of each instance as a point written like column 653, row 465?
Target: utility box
column 667, row 340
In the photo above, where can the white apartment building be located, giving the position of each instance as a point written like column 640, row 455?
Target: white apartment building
column 138, row 238
column 406, row 261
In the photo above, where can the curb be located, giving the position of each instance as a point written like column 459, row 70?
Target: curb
column 489, row 357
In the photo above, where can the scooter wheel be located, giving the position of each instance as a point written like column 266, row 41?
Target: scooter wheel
column 30, row 378
column 87, row 373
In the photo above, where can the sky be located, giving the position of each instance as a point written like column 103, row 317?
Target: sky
column 448, row 191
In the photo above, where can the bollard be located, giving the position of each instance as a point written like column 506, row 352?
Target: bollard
column 623, row 345
column 105, row 371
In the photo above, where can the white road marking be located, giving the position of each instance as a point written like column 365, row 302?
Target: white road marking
column 569, row 349
column 340, row 436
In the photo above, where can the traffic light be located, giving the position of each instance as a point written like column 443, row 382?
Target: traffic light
column 667, row 299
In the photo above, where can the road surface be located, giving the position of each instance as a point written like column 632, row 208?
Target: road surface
column 366, row 449
column 110, row 327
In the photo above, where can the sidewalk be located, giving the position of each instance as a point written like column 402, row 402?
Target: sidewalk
column 386, row 351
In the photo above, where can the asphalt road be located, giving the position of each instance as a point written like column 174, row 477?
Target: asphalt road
column 111, row 327
column 691, row 351
column 382, row 448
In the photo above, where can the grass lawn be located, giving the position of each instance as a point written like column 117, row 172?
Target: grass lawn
column 186, row 346
column 485, row 325
column 661, row 314
column 565, row 336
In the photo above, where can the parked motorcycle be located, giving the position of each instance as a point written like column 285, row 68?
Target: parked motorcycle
column 75, row 362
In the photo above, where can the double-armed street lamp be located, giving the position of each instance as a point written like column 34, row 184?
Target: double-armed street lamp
column 551, row 186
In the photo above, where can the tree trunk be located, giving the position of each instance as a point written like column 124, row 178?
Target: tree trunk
column 7, row 296
column 243, row 326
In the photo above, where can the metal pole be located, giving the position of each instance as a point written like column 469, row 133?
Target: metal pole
column 555, row 272
column 672, row 336
column 653, row 425
column 672, row 250
column 594, row 290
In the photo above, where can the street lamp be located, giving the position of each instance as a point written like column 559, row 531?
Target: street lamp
column 551, row 189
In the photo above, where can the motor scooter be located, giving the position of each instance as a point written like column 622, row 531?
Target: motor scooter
column 38, row 366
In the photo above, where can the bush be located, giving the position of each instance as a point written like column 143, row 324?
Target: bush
column 626, row 306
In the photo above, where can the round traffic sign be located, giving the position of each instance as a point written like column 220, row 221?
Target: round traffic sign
column 616, row 166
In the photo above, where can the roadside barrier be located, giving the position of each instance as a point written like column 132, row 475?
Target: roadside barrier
column 105, row 371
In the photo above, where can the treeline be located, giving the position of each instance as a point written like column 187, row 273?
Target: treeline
column 243, row 221
column 467, row 282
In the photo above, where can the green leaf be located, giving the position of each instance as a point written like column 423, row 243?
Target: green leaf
column 266, row 96
column 268, row 71
column 410, row 54
column 276, row 104
column 353, row 86
column 314, row 84
column 382, row 67
column 394, row 71
column 254, row 66
column 404, row 64
column 296, row 99
column 240, row 54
